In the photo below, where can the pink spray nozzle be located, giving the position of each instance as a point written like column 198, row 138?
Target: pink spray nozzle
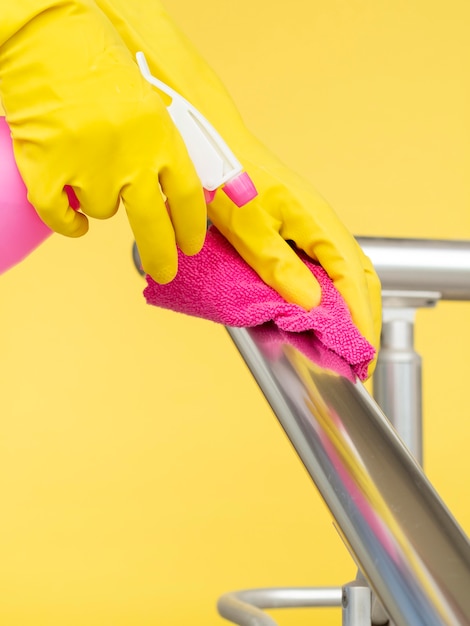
column 240, row 189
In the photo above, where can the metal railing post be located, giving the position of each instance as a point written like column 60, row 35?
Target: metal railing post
column 397, row 381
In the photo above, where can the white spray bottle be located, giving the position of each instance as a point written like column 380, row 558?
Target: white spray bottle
column 216, row 165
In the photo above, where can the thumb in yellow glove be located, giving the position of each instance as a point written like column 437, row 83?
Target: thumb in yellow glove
column 81, row 115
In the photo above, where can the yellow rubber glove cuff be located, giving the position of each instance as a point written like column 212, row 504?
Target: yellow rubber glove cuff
column 81, row 115
column 287, row 208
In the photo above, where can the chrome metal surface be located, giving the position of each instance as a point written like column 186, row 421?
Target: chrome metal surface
column 402, row 537
column 357, row 602
column 398, row 378
column 245, row 607
column 421, row 265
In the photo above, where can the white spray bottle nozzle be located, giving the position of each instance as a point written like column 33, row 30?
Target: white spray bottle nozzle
column 215, row 163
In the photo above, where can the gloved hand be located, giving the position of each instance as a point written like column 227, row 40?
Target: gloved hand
column 287, row 208
column 81, row 115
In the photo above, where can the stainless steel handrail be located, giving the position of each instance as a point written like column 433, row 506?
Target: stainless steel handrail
column 421, row 265
column 405, row 541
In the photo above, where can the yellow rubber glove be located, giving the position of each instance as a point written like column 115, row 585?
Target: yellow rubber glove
column 81, row 115
column 287, row 208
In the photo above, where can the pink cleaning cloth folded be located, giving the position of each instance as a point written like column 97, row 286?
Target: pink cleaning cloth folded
column 218, row 285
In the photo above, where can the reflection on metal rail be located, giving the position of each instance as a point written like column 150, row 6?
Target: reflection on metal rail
column 409, row 547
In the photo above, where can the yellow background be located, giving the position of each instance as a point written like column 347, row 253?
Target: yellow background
column 141, row 472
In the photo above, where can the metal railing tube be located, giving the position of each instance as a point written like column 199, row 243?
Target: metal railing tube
column 402, row 537
column 421, row 265
column 244, row 607
column 398, row 381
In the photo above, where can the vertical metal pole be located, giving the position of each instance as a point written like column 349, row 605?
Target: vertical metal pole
column 356, row 604
column 398, row 378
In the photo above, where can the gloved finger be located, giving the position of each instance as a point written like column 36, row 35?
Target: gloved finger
column 185, row 198
column 56, row 212
column 152, row 228
column 325, row 239
column 100, row 201
column 255, row 236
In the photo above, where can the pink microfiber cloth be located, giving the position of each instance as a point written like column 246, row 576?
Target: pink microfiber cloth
column 218, row 285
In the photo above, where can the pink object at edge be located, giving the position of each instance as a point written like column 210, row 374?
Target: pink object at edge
column 21, row 228
column 218, row 285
